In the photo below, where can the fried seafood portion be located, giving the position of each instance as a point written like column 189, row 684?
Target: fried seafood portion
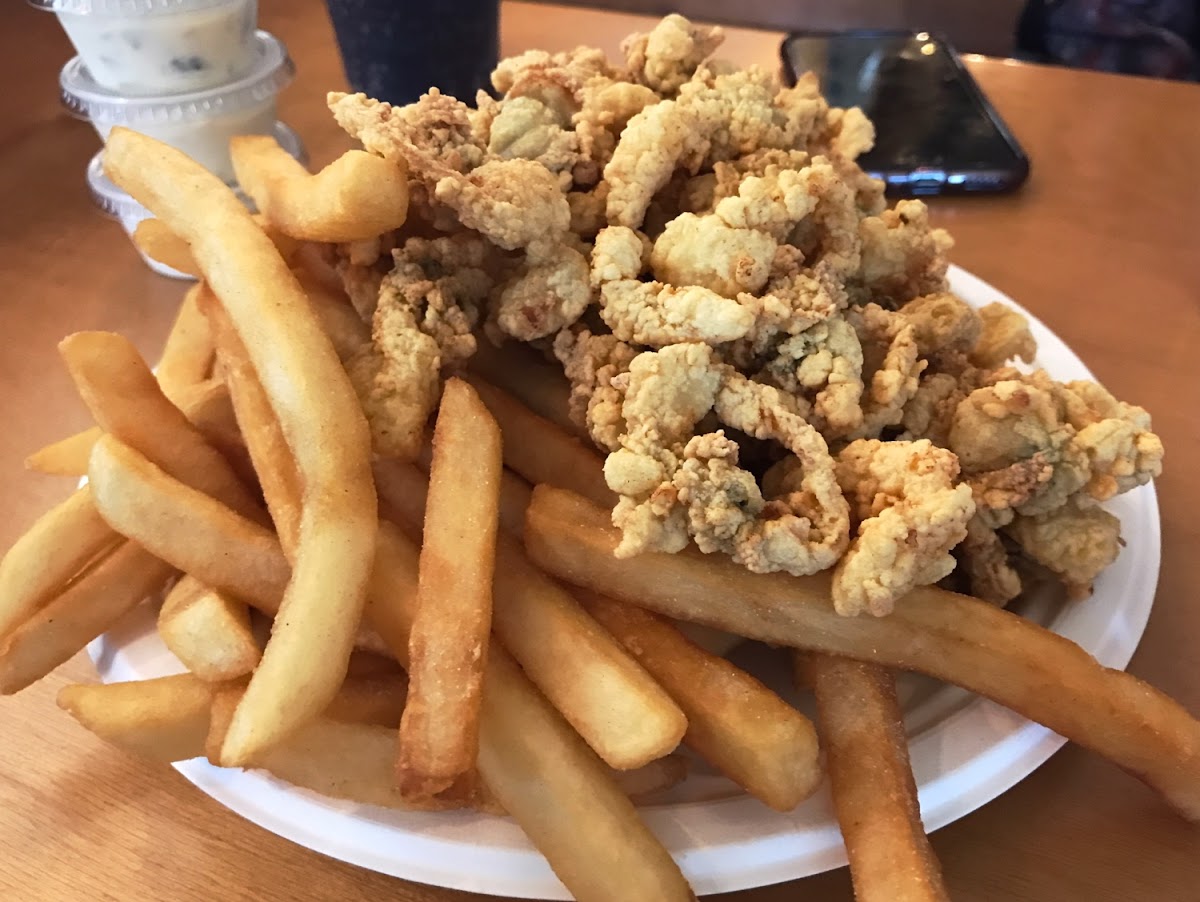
column 428, row 307
column 676, row 486
column 1093, row 445
column 1075, row 542
column 770, row 355
column 910, row 514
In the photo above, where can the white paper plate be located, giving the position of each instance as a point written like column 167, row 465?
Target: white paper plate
column 965, row 750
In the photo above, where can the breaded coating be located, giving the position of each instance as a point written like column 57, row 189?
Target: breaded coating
column 654, row 314
column 706, row 251
column 892, row 367
column 1075, row 542
column 668, row 55
column 910, row 514
column 903, row 256
column 433, row 135
column 1004, row 336
column 986, row 565
column 770, row 356
column 591, row 363
column 428, row 306
column 942, row 323
column 512, row 203
column 549, row 292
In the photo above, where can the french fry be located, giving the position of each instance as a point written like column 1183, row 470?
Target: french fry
column 345, row 328
column 1016, row 663
column 187, row 355
column 530, row 378
column 377, row 700
column 168, row 719
column 164, row 719
column 562, row 795
column 65, row 457
column 735, row 722
column 54, row 550
column 84, row 610
column 154, row 239
column 128, row 403
column 578, row 816
column 192, row 531
column 439, row 733
column 874, row 794
column 208, row 632
column 618, row 708
column 305, row 660
column 357, row 196
column 541, row 452
column 650, row 779
column 260, row 429
column 186, row 360
column 515, row 492
column 209, row 408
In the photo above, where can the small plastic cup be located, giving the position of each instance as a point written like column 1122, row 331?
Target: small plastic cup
column 200, row 123
column 119, row 205
column 152, row 47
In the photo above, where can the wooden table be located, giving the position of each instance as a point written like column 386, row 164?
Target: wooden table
column 1099, row 244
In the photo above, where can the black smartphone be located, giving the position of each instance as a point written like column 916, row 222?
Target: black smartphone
column 936, row 133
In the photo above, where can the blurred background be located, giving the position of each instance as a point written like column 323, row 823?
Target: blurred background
column 1157, row 38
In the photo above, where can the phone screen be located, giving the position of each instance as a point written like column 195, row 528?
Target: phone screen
column 934, row 129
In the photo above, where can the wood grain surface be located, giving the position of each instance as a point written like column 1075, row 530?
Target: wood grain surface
column 1099, row 244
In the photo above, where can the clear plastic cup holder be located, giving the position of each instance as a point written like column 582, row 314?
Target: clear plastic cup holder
column 117, row 204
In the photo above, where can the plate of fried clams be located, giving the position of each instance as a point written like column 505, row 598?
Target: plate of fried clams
column 595, row 492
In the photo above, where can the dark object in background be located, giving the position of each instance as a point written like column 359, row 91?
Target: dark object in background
column 396, row 50
column 1159, row 38
column 935, row 132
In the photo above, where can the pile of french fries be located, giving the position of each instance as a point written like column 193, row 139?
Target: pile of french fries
column 456, row 632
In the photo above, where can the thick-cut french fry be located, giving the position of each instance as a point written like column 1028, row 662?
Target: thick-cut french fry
column 735, row 722
column 187, row 355
column 439, row 733
column 209, row 408
column 568, row 802
column 88, row 607
column 55, row 549
column 530, row 378
column 65, row 457
column 515, row 492
column 348, row 332
column 650, row 779
column 341, row 759
column 197, row 534
column 128, row 403
column 562, row 795
column 305, row 660
column 874, row 794
column 208, row 632
column 401, row 488
column 156, row 241
column 159, row 243
column 273, row 460
column 168, row 719
column 192, row 531
column 186, row 360
column 164, row 719
column 1011, row 660
column 618, row 708
column 543, row 453
column 357, row 196
column 377, row 700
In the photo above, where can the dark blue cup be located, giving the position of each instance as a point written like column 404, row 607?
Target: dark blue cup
column 396, row 51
